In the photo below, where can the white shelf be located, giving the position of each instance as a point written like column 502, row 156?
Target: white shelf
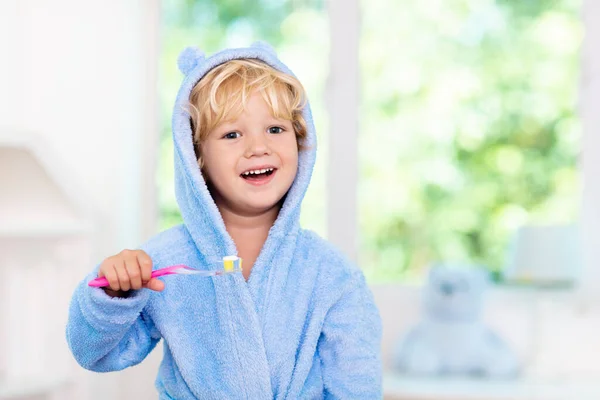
column 32, row 386
column 38, row 180
column 397, row 387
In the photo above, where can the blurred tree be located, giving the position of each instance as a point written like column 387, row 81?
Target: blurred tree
column 469, row 128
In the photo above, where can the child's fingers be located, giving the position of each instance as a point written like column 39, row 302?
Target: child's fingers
column 104, row 266
column 122, row 275
column 130, row 269
column 145, row 263
column 133, row 270
column 108, row 271
column 155, row 284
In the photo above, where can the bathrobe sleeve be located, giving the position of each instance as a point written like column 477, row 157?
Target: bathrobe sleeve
column 350, row 345
column 109, row 334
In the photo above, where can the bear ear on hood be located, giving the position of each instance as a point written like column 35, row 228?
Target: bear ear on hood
column 189, row 58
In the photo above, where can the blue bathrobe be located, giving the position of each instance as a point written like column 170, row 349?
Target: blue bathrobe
column 304, row 325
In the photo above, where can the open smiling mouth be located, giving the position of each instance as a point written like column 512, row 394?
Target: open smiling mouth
column 259, row 175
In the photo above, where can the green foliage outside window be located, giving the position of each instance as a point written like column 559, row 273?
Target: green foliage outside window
column 469, row 129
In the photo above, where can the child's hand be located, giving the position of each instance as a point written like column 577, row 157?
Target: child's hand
column 129, row 270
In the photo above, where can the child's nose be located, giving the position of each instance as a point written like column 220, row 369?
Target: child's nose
column 257, row 146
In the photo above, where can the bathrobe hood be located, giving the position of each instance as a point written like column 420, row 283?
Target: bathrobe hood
column 199, row 211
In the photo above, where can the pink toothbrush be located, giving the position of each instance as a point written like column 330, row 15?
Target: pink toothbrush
column 231, row 264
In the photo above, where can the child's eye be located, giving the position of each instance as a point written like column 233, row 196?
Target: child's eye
column 231, row 135
column 276, row 129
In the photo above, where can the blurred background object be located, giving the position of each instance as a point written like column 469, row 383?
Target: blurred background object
column 46, row 236
column 445, row 129
column 545, row 256
column 451, row 338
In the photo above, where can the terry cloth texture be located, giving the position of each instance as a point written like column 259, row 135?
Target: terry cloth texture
column 304, row 326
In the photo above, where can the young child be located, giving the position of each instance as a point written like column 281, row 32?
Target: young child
column 300, row 322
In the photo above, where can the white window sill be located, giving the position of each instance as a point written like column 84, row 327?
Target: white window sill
column 397, row 387
column 494, row 291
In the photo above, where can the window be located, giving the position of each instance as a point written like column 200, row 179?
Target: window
column 468, row 127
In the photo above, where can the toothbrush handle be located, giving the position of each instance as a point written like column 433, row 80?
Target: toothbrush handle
column 103, row 282
column 98, row 282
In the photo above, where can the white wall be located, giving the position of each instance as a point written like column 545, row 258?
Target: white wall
column 78, row 74
column 82, row 74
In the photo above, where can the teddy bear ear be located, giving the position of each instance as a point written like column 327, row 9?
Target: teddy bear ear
column 189, row 58
column 261, row 44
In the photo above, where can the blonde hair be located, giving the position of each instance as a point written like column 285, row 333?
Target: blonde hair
column 222, row 93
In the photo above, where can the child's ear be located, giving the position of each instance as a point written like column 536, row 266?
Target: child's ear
column 197, row 151
column 202, row 172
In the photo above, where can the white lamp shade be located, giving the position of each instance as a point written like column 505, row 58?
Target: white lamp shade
column 545, row 255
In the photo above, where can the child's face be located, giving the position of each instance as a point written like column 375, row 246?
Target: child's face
column 255, row 141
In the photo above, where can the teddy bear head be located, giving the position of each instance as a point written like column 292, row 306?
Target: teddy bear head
column 455, row 293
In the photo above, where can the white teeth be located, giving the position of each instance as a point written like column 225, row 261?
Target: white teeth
column 257, row 171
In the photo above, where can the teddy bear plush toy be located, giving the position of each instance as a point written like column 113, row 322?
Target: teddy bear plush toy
column 451, row 338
